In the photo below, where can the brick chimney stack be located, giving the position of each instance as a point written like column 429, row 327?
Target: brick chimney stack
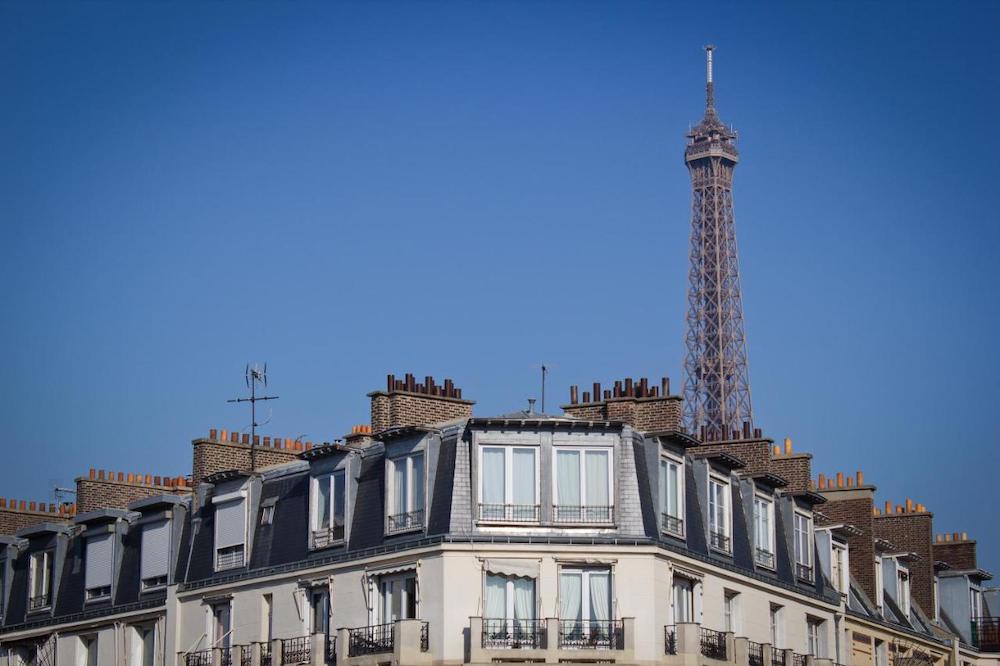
column 102, row 489
column 406, row 402
column 854, row 505
column 225, row 450
column 632, row 401
column 912, row 531
column 18, row 514
column 956, row 549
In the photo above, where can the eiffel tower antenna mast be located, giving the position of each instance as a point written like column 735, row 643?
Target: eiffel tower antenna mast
column 254, row 375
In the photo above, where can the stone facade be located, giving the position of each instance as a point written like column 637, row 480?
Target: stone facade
column 100, row 490
column 912, row 532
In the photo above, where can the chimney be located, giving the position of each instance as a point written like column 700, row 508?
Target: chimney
column 405, row 403
column 118, row 490
column 217, row 453
column 854, row 506
column 912, row 531
column 957, row 550
column 636, row 402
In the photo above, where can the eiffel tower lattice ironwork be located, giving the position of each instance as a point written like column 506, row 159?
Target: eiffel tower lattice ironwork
column 717, row 382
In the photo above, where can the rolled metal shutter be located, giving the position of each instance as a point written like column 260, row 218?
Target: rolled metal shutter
column 230, row 523
column 155, row 550
column 100, row 551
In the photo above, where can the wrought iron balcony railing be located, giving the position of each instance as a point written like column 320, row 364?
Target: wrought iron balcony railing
column 328, row 536
column 670, row 639
column 246, row 655
column 755, row 654
column 500, row 633
column 592, row 634
column 804, row 572
column 986, row 633
column 798, row 659
column 331, row 648
column 374, row 639
column 718, row 540
column 764, row 558
column 404, row 522
column 265, row 654
column 296, row 650
column 199, row 658
column 672, row 524
column 713, row 644
column 562, row 513
column 39, row 602
column 425, row 637
column 777, row 657
column 226, row 654
column 229, row 558
column 509, row 513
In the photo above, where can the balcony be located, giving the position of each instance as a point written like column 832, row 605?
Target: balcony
column 551, row 640
column 296, row 650
column 509, row 513
column 199, row 658
column 719, row 541
column 713, row 644
column 777, row 657
column 804, row 572
column 582, row 515
column 763, row 558
column 405, row 522
column 672, row 524
column 315, row 650
column 374, row 639
column 755, row 654
column 400, row 642
column 670, row 639
column 328, row 536
column 39, row 602
column 986, row 634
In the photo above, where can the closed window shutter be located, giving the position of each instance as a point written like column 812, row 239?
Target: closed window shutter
column 99, row 553
column 230, row 523
column 155, row 549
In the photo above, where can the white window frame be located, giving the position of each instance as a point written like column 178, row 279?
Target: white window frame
column 726, row 527
column 315, row 528
column 879, row 584
column 690, row 592
column 776, row 617
column 879, row 652
column 841, row 554
column 903, row 589
column 803, row 558
column 508, row 466
column 377, row 589
column 731, row 611
column 509, row 595
column 585, row 572
column 814, row 638
column 975, row 603
column 391, row 491
column 760, row 499
column 665, row 462
column 583, row 450
column 45, row 556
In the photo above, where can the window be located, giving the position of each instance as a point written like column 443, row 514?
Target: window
column 509, row 597
column 672, row 496
column 319, row 612
column 221, row 625
column 508, row 484
column 777, row 631
column 803, row 546
column 154, row 554
column 903, row 591
column 87, row 655
column 267, row 514
column 583, row 486
column 398, row 595
column 100, row 555
column 267, row 617
column 937, row 600
column 329, row 508
column 585, row 596
column 683, row 600
column 731, row 611
column 840, row 569
column 41, row 580
column 879, row 653
column 230, row 533
column 143, row 646
column 763, row 531
column 718, row 514
column 975, row 603
column 879, row 586
column 814, row 637
column 406, row 494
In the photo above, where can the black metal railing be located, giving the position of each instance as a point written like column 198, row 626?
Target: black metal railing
column 755, row 654
column 327, row 536
column 425, row 636
column 402, row 522
column 373, row 639
column 803, row 571
column 265, row 654
column 764, row 558
column 986, row 633
column 509, row 513
column 777, row 657
column 718, row 540
column 246, row 655
column 592, row 634
column 229, row 558
column 798, row 659
column 500, row 633
column 713, row 644
column 331, row 648
column 226, row 656
column 670, row 639
column 296, row 650
column 672, row 524
column 39, row 602
column 199, row 658
column 582, row 514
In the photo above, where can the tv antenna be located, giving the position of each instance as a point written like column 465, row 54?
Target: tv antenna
column 545, row 371
column 254, row 375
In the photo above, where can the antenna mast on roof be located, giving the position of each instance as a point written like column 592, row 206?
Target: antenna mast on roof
column 545, row 371
column 254, row 375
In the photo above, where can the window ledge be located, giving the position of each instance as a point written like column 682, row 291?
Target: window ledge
column 675, row 535
column 149, row 590
column 404, row 530
column 721, row 551
column 509, row 523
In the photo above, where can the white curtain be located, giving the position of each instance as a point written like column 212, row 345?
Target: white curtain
column 673, row 487
column 524, row 476
column 524, row 598
column 570, row 596
column 323, row 502
column 600, row 596
column 418, row 482
column 597, row 478
column 496, row 599
column 568, row 477
column 399, row 485
column 493, row 476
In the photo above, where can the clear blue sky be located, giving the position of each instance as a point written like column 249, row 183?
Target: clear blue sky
column 469, row 189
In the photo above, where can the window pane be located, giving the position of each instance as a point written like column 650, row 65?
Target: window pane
column 570, row 596
column 496, row 596
column 523, row 476
column 418, row 483
column 597, row 478
column 493, row 476
column 568, row 477
column 323, row 502
column 399, row 486
column 339, row 498
column 600, row 596
column 524, row 598
column 673, row 489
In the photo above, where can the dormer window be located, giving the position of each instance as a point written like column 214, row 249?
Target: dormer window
column 903, row 590
column 100, row 556
column 508, row 484
column 154, row 554
column 329, row 509
column 975, row 603
column 879, row 584
column 406, row 494
column 230, row 533
column 719, row 519
column 583, row 485
column 840, row 568
column 41, row 580
column 803, row 546
column 763, row 531
column 672, row 496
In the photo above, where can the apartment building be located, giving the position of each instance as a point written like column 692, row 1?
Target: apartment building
column 604, row 534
